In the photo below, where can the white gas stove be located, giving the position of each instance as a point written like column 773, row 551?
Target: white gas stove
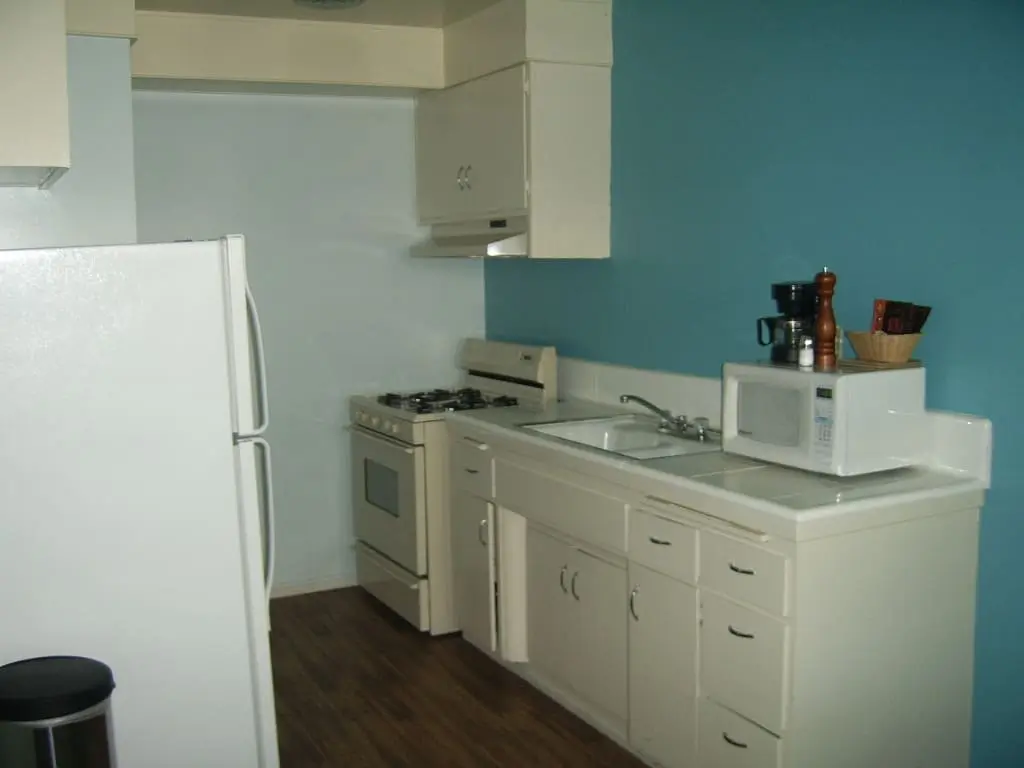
column 400, row 474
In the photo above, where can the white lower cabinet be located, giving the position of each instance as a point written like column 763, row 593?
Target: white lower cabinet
column 728, row 741
column 576, row 622
column 472, row 521
column 599, row 590
column 715, row 646
column 662, row 667
column 550, row 640
column 743, row 660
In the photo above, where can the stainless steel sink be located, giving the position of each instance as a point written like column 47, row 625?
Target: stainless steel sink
column 635, row 436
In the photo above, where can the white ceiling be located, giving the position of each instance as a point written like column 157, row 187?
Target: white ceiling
column 413, row 13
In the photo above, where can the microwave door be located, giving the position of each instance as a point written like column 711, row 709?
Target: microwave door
column 771, row 414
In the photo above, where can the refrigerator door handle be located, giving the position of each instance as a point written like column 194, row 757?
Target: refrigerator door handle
column 261, row 366
column 269, row 545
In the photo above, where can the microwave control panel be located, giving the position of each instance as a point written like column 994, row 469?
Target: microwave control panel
column 824, row 410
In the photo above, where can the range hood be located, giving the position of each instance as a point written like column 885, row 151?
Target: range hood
column 506, row 238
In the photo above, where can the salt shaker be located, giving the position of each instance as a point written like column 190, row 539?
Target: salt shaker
column 805, row 358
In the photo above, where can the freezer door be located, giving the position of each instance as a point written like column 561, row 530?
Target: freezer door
column 248, row 367
column 121, row 530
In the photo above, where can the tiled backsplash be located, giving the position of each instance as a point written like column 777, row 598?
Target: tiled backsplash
column 960, row 443
column 692, row 396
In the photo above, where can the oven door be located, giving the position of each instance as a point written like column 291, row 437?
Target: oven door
column 390, row 498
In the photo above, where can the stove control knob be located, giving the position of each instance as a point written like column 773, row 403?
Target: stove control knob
column 394, row 429
column 385, row 425
column 374, row 421
column 361, row 416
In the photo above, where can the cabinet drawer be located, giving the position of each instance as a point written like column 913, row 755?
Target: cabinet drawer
column 559, row 504
column 745, row 572
column 743, row 660
column 663, row 545
column 726, row 740
column 472, row 467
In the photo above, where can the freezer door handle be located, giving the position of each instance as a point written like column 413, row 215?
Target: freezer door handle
column 267, row 507
column 261, row 365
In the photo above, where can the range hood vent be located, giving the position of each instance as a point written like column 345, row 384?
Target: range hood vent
column 502, row 238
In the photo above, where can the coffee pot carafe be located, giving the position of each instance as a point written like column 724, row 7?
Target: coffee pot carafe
column 797, row 303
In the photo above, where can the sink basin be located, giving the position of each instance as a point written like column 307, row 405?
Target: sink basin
column 634, row 436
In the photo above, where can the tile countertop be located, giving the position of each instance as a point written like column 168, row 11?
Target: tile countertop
column 797, row 497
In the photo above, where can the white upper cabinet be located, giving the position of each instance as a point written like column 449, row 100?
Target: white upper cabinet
column 517, row 163
column 35, row 144
column 471, row 139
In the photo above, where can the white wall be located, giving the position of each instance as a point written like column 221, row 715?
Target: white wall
column 94, row 202
column 323, row 188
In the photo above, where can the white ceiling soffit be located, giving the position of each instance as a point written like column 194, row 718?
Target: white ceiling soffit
column 410, row 13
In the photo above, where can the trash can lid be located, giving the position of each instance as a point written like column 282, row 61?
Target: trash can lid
column 52, row 686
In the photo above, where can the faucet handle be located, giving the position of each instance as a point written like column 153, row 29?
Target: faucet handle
column 701, row 424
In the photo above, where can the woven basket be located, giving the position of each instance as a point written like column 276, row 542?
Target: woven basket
column 883, row 347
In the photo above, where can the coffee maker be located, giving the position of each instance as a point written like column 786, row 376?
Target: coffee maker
column 798, row 307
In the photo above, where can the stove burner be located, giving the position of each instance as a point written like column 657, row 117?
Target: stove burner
column 441, row 400
column 391, row 399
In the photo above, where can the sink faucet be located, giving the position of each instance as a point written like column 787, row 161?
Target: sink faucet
column 668, row 420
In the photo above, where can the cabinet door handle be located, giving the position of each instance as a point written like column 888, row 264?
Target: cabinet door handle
column 632, row 601
column 561, row 578
column 480, row 531
column 472, row 471
column 745, row 571
column 458, row 179
column 659, row 542
column 736, row 633
column 572, row 585
column 733, row 742
column 469, row 184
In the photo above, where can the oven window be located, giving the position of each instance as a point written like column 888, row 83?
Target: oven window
column 381, row 486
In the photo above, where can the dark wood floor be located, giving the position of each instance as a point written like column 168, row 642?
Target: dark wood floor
column 356, row 686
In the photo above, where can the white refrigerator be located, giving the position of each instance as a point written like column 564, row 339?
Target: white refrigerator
column 136, row 504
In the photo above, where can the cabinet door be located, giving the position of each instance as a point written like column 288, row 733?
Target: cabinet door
column 492, row 131
column 599, row 655
column 438, row 185
column 662, row 667
column 549, row 622
column 472, row 521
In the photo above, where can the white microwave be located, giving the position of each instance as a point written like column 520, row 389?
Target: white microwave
column 851, row 421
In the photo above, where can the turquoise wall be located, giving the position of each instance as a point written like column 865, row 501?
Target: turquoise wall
column 754, row 142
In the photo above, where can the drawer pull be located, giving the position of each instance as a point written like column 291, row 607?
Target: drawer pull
column 745, row 571
column 472, row 471
column 659, row 542
column 736, row 633
column 561, row 578
column 480, row 446
column 572, row 584
column 733, row 742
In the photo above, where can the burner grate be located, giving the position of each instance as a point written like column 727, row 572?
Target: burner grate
column 442, row 400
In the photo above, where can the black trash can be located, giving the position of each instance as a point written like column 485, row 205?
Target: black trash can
column 55, row 713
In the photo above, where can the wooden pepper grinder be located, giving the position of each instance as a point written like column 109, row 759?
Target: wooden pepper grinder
column 825, row 325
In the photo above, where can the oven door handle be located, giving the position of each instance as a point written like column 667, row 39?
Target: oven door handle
column 382, row 439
